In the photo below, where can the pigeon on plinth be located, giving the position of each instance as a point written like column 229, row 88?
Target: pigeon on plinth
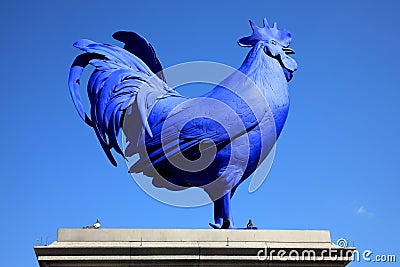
column 96, row 225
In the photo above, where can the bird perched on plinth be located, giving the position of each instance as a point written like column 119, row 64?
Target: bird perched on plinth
column 96, row 225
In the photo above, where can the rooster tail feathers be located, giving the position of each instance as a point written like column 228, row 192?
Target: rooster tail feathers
column 141, row 48
column 120, row 78
column 75, row 74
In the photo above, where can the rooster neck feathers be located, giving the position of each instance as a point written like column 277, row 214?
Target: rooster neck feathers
column 268, row 75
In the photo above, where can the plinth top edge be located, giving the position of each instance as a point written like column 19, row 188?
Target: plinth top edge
column 191, row 235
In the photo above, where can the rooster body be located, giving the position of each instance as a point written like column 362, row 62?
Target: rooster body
column 245, row 112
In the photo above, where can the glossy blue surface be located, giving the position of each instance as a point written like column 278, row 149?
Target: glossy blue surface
column 123, row 82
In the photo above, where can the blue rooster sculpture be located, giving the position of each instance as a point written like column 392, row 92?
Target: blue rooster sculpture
column 215, row 141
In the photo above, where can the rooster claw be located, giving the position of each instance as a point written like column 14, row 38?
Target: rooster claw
column 225, row 225
column 215, row 225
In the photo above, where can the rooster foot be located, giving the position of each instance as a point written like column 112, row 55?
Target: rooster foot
column 221, row 224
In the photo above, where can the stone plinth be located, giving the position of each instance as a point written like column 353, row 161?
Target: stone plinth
column 192, row 247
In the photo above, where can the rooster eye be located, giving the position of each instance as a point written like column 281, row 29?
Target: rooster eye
column 273, row 42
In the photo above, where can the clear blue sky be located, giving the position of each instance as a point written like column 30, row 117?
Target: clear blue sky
column 337, row 162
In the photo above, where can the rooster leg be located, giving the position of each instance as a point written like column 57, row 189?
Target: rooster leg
column 222, row 213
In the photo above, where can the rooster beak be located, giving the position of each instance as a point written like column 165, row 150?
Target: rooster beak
column 288, row 50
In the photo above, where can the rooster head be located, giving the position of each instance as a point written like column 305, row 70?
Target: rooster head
column 276, row 45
